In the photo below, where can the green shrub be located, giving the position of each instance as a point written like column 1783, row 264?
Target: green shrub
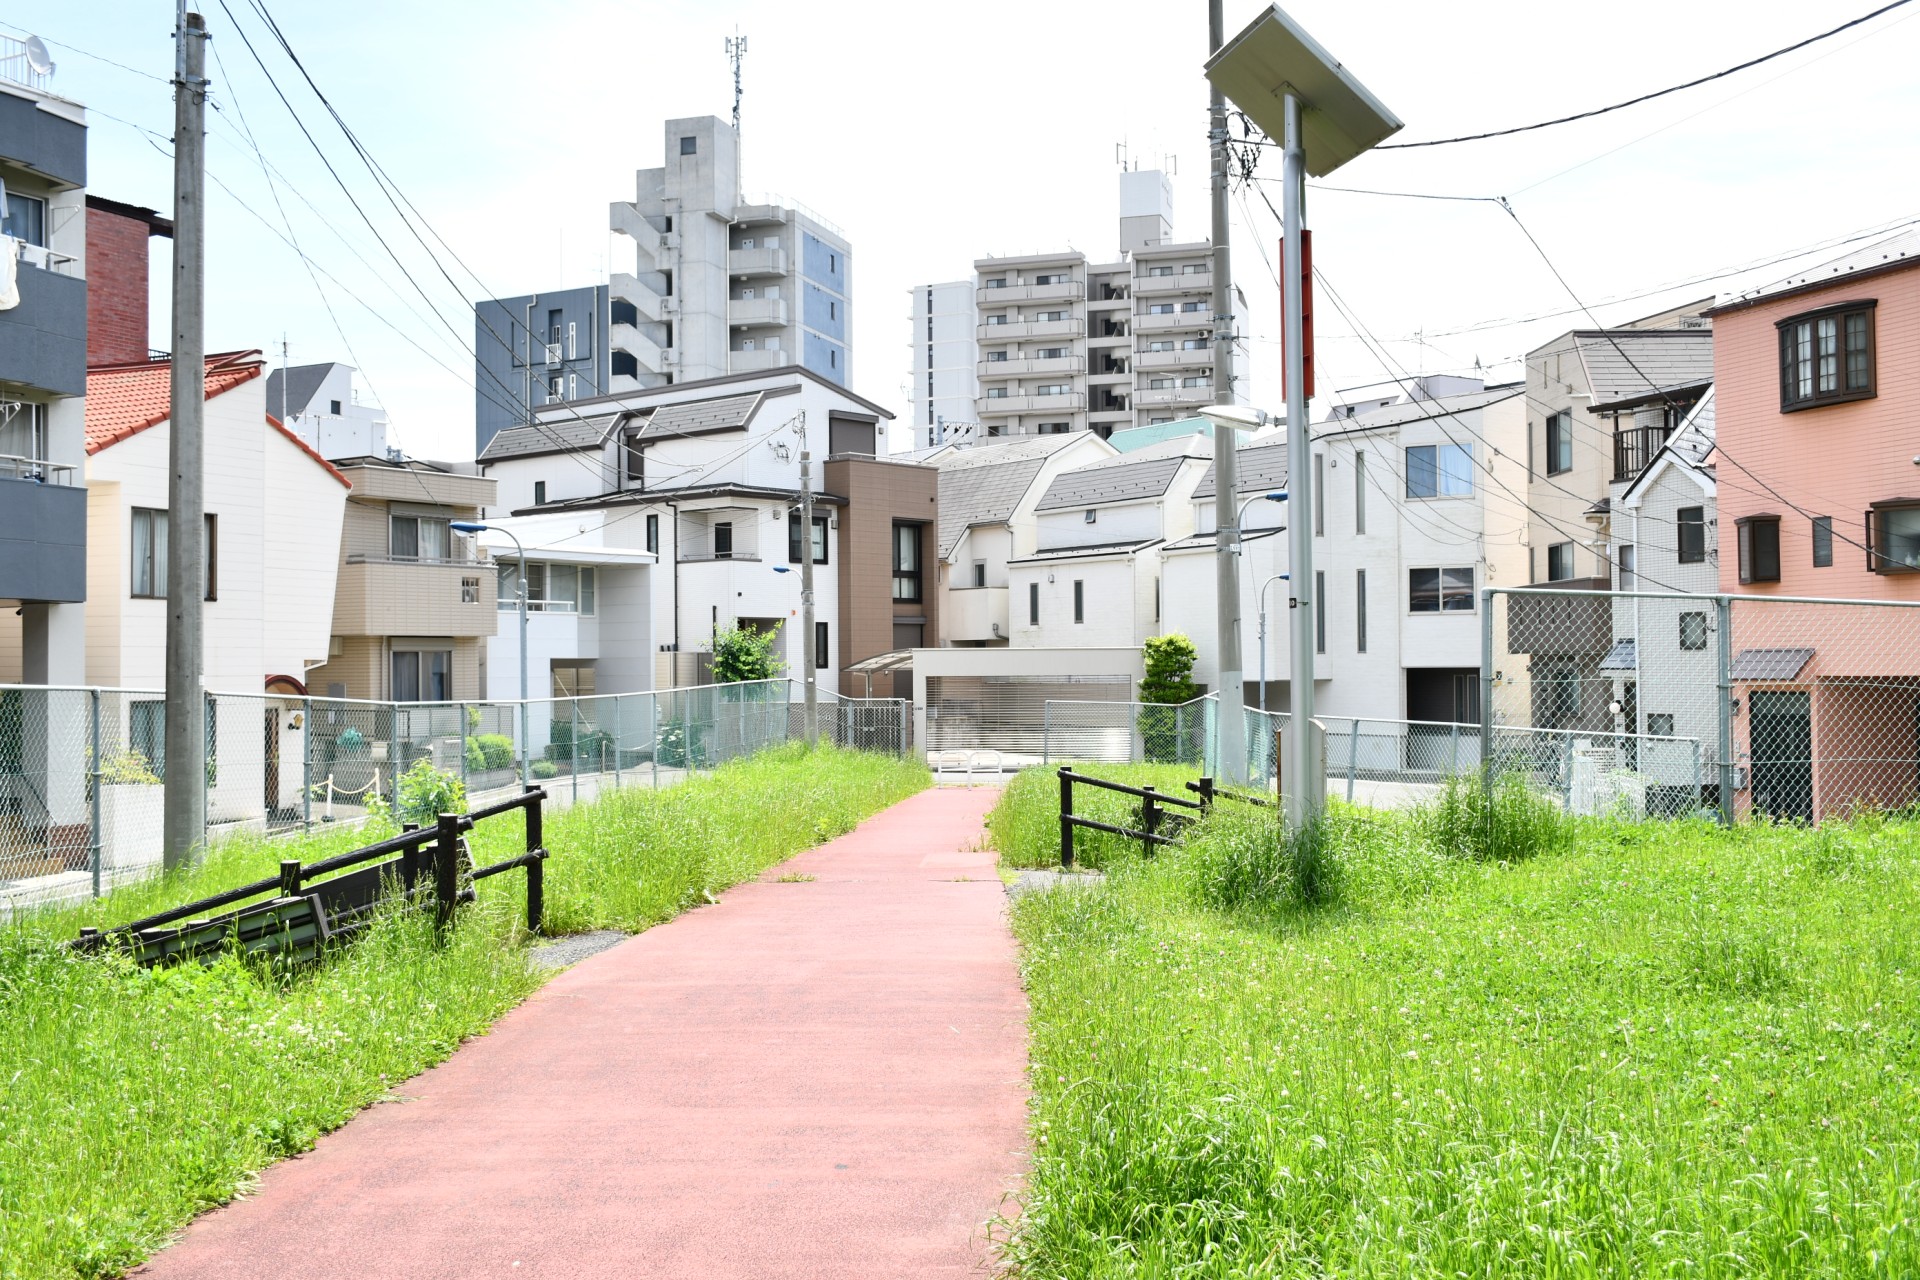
column 426, row 792
column 1509, row 824
column 744, row 654
column 545, row 769
column 496, row 750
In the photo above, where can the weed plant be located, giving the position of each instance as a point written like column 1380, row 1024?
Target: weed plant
column 1655, row 1049
column 1025, row 826
column 1509, row 823
column 1245, row 858
column 134, row 1099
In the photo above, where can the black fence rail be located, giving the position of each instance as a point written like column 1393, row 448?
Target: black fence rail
column 311, row 906
column 1208, row 793
column 1155, row 811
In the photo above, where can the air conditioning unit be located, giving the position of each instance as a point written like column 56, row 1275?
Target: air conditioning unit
column 553, row 354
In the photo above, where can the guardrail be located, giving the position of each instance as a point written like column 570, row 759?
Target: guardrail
column 1152, row 812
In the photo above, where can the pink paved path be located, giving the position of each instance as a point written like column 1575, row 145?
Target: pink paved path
column 812, row 1079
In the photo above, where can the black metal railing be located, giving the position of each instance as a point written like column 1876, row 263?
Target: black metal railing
column 1634, row 447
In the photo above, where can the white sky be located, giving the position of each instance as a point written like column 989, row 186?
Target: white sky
column 935, row 134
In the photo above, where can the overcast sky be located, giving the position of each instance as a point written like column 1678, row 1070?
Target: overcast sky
column 934, row 134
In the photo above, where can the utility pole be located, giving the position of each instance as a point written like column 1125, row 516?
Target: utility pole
column 184, row 806
column 1232, row 699
column 808, row 656
column 1307, row 795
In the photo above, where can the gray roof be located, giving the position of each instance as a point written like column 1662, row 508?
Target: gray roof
column 1112, row 480
column 1770, row 664
column 1086, row 550
column 984, row 483
column 1625, row 364
column 1895, row 249
column 702, row 417
column 1421, row 410
column 556, row 435
column 1261, row 467
column 302, row 381
column 1621, row 656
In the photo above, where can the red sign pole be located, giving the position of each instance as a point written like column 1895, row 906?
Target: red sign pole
column 1306, row 308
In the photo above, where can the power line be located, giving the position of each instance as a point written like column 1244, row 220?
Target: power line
column 1645, row 97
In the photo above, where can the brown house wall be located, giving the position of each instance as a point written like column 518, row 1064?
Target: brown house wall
column 879, row 493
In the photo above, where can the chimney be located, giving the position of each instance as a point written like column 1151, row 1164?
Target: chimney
column 117, row 273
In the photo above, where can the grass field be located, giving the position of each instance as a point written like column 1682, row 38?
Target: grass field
column 130, row 1100
column 1655, row 1050
column 1025, row 826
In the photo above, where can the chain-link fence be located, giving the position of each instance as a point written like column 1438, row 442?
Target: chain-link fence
column 81, row 796
column 1657, row 703
column 1131, row 732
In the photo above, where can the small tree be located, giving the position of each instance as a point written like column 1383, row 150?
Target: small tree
column 742, row 653
column 1169, row 663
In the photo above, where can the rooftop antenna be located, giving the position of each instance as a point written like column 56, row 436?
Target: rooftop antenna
column 736, row 51
column 1120, row 154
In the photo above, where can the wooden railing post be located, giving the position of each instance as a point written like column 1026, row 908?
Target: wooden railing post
column 409, row 861
column 446, row 868
column 1066, row 819
column 1149, row 821
column 1206, row 795
column 536, row 865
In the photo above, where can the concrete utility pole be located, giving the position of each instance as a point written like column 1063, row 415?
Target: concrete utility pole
column 1306, row 797
column 1233, row 737
column 184, row 811
column 810, row 685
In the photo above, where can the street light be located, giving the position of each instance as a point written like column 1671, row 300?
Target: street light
column 474, row 526
column 1296, row 91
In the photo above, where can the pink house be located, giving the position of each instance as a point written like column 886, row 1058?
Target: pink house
column 1818, row 463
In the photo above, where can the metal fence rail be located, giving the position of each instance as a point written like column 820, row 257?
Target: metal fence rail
column 80, row 768
column 1131, row 732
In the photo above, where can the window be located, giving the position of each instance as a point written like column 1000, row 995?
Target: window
column 147, row 732
column 1359, row 610
column 1319, row 495
column 1053, row 353
column 1629, row 567
column 23, row 430
column 1822, row 542
column 1559, row 443
column 998, row 282
column 1092, row 516
column 1055, row 388
column 417, row 537
column 833, row 359
column 1079, row 600
column 979, row 573
column 333, row 407
column 1359, row 493
column 1319, row 610
column 1054, row 428
column 1055, row 278
column 653, row 534
column 906, row 562
column 1690, row 529
column 539, row 492
column 1659, row 725
column 1826, row 357
column 1159, row 271
column 689, row 146
column 1033, row 604
column 469, row 591
column 723, row 540
column 1693, row 631
column 1439, row 471
column 422, row 675
column 1160, row 344
column 1159, row 384
column 1000, row 318
column 996, row 393
column 996, row 357
column 1193, row 306
column 1440, row 590
column 1195, row 344
column 25, row 218
column 820, row 645
column 1160, row 309
column 150, row 554
column 819, row 538
column 1200, row 381
column 1194, row 269
column 1893, row 537
column 636, row 461
column 1560, row 562
column 1053, row 315
column 1759, row 548
column 833, row 262
column 833, row 310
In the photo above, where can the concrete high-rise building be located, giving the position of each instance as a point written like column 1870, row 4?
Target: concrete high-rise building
column 721, row 282
column 1066, row 344
column 940, row 333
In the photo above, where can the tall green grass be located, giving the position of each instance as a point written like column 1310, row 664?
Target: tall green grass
column 130, row 1100
column 1640, row 1050
column 1506, row 822
column 1025, row 826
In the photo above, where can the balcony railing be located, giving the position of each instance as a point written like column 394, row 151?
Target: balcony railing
column 376, row 557
column 1634, row 448
column 15, row 65
column 36, row 469
column 38, row 255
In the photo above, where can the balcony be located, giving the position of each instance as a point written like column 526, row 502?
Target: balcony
column 1173, row 321
column 1065, row 291
column 757, row 262
column 975, row 613
column 1174, row 396
column 1153, row 286
column 1634, row 448
column 1017, row 330
column 1022, row 368
column 757, row 313
column 757, row 361
column 384, row 596
column 43, row 539
column 43, row 341
column 1193, row 358
column 1001, row 406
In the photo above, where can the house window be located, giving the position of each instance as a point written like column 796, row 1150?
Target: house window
column 906, row 562
column 469, row 591
column 422, row 675
column 689, row 146
column 333, row 407
column 1439, row 471
column 979, row 573
column 1319, row 495
column 723, row 540
column 1826, row 357
column 1559, row 443
column 1693, row 631
column 539, row 492
column 1893, row 537
column 819, row 538
column 1440, row 590
column 1079, row 600
column 1092, row 516
column 1359, row 493
column 1319, row 610
column 1360, row 610
column 820, row 646
column 1560, row 562
column 413, row 537
column 1159, row 271
column 1759, row 548
column 653, row 534
column 1690, row 526
column 1033, row 604
column 150, row 554
column 1660, row 725
column 636, row 462
column 1629, row 567
column 1822, row 542
column 24, row 218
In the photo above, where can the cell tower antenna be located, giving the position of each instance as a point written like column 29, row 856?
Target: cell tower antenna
column 736, row 52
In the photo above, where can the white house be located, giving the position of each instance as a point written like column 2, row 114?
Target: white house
column 321, row 404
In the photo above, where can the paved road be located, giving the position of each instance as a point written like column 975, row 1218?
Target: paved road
column 810, row 1079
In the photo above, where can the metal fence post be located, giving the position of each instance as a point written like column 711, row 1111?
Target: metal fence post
column 1723, row 606
column 536, row 869
column 306, row 765
column 1149, row 821
column 573, row 749
column 95, row 837
column 1486, row 693
column 465, row 785
column 1066, row 820
column 1353, row 755
column 616, row 742
column 1046, row 732
column 1566, row 772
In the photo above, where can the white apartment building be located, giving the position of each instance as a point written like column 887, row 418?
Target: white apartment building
column 941, row 393
column 723, row 282
column 320, row 403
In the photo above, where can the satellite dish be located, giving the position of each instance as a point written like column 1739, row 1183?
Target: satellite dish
column 37, row 56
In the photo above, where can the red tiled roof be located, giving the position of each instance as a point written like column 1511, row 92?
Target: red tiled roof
column 125, row 399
